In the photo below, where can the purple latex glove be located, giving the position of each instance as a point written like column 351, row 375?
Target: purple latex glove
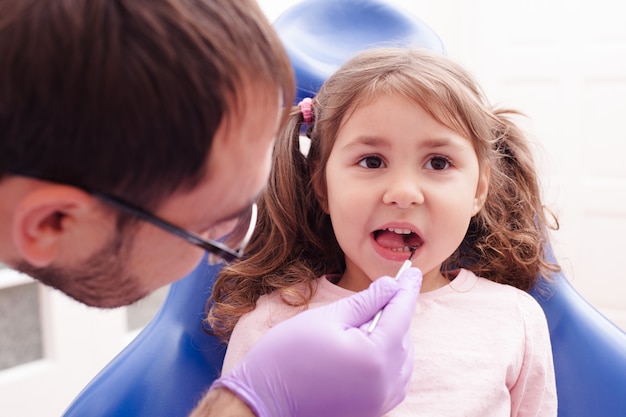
column 323, row 362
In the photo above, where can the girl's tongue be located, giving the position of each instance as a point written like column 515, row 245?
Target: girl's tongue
column 392, row 240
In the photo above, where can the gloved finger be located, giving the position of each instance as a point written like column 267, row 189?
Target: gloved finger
column 359, row 308
column 396, row 318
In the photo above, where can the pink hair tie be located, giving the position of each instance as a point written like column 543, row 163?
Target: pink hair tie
column 306, row 108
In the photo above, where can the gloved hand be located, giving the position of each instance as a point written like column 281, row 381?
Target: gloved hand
column 323, row 362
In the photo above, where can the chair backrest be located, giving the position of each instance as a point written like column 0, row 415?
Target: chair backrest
column 165, row 370
column 589, row 352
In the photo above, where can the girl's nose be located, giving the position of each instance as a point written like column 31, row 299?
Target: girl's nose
column 404, row 191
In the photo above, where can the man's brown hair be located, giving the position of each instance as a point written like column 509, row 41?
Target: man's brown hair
column 125, row 96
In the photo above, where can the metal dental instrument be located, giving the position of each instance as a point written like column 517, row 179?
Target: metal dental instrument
column 407, row 264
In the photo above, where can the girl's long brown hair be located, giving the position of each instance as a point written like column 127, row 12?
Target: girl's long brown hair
column 294, row 240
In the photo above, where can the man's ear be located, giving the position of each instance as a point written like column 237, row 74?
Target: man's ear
column 44, row 218
column 482, row 189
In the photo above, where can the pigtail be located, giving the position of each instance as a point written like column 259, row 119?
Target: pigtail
column 278, row 255
column 507, row 239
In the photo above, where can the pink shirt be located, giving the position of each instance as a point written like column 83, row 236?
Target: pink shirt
column 481, row 349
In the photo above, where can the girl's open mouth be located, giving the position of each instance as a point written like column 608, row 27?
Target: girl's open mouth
column 397, row 239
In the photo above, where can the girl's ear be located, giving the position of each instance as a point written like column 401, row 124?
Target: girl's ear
column 482, row 189
column 319, row 187
column 46, row 217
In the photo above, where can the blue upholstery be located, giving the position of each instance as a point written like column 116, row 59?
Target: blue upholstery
column 589, row 352
column 320, row 35
column 165, row 370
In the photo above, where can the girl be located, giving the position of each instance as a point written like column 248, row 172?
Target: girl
column 406, row 155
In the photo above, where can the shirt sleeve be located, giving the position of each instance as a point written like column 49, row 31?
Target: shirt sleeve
column 269, row 311
column 244, row 336
column 534, row 393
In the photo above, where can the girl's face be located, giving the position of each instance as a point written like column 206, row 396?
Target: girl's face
column 398, row 178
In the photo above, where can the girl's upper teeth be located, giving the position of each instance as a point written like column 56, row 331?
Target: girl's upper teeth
column 399, row 230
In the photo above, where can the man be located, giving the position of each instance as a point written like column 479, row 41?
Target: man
column 132, row 128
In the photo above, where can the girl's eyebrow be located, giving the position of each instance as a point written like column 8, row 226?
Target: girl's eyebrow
column 376, row 141
column 452, row 143
column 439, row 142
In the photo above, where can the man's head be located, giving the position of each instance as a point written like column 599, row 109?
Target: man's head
column 170, row 105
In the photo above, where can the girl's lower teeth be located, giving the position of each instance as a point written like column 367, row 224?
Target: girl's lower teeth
column 404, row 249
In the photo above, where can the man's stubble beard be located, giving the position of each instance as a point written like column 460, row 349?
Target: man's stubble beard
column 98, row 281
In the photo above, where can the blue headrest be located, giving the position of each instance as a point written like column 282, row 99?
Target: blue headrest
column 321, row 35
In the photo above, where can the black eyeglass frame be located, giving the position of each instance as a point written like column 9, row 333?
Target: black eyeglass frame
column 213, row 247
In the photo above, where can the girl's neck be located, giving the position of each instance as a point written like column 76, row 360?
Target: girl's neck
column 432, row 280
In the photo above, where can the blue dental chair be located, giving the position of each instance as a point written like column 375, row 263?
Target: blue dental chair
column 165, row 370
column 589, row 352
column 171, row 363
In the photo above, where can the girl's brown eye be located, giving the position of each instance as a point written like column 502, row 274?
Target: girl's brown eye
column 438, row 163
column 371, row 162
